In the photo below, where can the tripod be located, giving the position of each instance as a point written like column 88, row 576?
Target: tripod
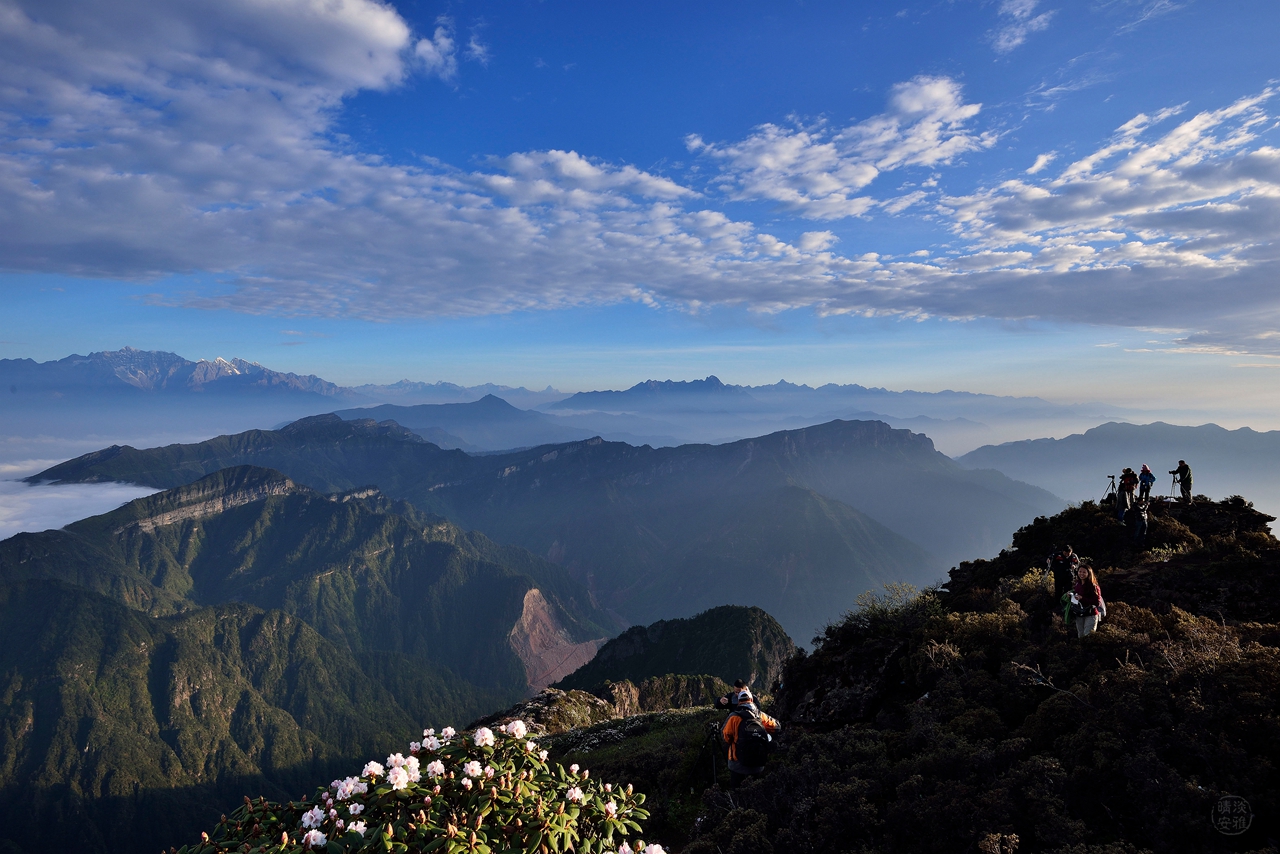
column 1173, row 487
column 1110, row 495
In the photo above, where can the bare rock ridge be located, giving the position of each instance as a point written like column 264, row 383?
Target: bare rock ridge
column 212, row 496
column 544, row 646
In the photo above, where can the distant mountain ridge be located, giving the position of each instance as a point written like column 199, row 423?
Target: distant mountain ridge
column 490, row 423
column 129, row 371
column 1223, row 462
column 798, row 522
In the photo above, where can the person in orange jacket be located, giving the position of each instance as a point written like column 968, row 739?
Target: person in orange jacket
column 747, row 733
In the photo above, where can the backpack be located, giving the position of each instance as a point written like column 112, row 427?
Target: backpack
column 1070, row 610
column 753, row 740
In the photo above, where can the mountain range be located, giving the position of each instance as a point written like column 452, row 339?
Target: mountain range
column 136, row 395
column 798, row 522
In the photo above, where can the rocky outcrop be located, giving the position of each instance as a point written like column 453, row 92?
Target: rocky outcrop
column 553, row 711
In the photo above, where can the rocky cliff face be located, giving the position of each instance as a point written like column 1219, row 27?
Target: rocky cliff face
column 544, row 645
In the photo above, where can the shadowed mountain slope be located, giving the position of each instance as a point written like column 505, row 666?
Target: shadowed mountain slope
column 124, row 732
column 972, row 719
column 729, row 642
column 798, row 522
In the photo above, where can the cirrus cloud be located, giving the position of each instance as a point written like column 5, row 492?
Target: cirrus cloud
column 818, row 172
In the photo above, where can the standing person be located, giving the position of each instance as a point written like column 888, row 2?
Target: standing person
column 747, row 734
column 730, row 701
column 1145, row 481
column 1124, row 496
column 1140, row 511
column 1063, row 565
column 1089, row 597
column 1182, row 477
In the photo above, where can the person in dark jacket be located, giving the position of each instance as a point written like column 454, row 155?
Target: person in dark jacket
column 1124, row 494
column 1063, row 566
column 1146, row 479
column 1089, row 597
column 730, row 701
column 746, row 709
column 1182, row 477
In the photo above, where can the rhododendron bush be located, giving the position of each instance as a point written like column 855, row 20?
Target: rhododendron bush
column 484, row 792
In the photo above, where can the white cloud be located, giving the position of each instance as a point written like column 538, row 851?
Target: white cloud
column 1042, row 160
column 439, row 53
column 157, row 138
column 817, row 171
column 478, row 50
column 1019, row 21
column 816, row 241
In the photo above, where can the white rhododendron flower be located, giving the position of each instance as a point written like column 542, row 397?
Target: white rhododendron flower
column 314, row 839
column 312, row 817
column 542, row 754
column 573, row 769
column 574, row 794
column 624, row 848
column 484, row 737
column 427, row 733
column 466, row 782
column 373, row 769
column 355, row 809
column 472, row 769
column 415, row 746
column 431, row 743
column 611, row 809
column 357, row 827
column 530, row 746
column 654, row 849
column 398, row 778
column 435, row 769
column 411, row 768
column 395, row 760
column 448, row 733
column 489, row 772
column 333, row 813
column 517, row 729
column 351, row 786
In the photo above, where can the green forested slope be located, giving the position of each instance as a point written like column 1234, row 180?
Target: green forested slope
column 244, row 632
column 124, row 732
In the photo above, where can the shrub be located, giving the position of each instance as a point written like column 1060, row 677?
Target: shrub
column 481, row 792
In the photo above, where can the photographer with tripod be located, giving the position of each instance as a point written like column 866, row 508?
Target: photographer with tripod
column 1182, row 477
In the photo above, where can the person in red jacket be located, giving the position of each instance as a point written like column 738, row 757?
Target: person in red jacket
column 1089, row 596
column 747, row 733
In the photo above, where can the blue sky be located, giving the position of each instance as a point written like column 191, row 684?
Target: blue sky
column 1077, row 200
